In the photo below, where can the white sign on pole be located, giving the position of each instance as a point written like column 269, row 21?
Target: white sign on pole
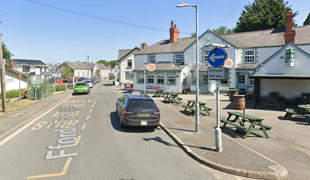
column 217, row 73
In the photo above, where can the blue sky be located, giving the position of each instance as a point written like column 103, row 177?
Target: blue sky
column 55, row 35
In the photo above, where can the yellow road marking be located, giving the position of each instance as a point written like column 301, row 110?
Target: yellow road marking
column 63, row 172
column 56, row 114
column 92, row 106
column 87, row 117
column 95, row 102
column 83, row 127
column 90, row 110
column 77, row 142
column 50, row 124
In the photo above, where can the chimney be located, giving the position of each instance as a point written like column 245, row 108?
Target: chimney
column 289, row 34
column 174, row 32
column 143, row 45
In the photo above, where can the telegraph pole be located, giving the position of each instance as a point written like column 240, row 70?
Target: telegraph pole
column 2, row 76
column 87, row 66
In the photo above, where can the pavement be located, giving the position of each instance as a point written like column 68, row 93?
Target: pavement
column 285, row 155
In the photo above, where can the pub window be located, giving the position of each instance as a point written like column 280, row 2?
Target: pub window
column 129, row 63
column 171, row 79
column 178, row 58
column 128, row 76
column 140, row 77
column 150, row 78
column 152, row 59
column 206, row 55
column 160, row 78
column 249, row 56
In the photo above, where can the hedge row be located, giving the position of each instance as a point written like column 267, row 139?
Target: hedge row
column 15, row 92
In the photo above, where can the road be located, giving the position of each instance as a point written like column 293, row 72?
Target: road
column 81, row 139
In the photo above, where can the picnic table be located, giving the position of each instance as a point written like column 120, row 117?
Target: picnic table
column 159, row 92
column 273, row 99
column 304, row 111
column 191, row 106
column 304, row 99
column 172, row 97
column 240, row 120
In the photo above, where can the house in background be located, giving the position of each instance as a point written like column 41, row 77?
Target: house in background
column 28, row 65
column 12, row 79
column 84, row 69
column 126, row 61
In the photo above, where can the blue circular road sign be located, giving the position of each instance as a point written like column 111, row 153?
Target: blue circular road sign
column 217, row 58
column 115, row 70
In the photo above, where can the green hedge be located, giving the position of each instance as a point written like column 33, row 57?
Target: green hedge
column 14, row 93
column 61, row 87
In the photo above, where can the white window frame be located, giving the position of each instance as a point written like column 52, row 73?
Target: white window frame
column 249, row 57
column 129, row 60
column 206, row 55
column 128, row 76
column 152, row 59
column 171, row 76
column 160, row 76
column 139, row 74
column 149, row 76
column 178, row 58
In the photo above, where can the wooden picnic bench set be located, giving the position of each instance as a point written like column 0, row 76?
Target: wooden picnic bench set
column 240, row 120
column 191, row 106
column 171, row 97
column 304, row 111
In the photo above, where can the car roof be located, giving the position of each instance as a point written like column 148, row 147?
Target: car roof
column 142, row 96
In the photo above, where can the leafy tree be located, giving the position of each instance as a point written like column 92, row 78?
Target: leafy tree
column 263, row 14
column 106, row 63
column 223, row 30
column 67, row 72
column 6, row 53
column 193, row 34
column 307, row 21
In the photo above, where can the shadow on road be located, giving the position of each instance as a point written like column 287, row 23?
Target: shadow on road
column 116, row 125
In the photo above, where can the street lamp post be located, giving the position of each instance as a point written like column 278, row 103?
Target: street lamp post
column 197, row 64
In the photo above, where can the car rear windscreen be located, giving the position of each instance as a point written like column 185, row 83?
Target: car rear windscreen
column 141, row 104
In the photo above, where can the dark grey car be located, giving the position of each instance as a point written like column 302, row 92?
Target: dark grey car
column 137, row 110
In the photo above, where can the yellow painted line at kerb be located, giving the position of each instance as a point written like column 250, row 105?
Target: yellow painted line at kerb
column 77, row 142
column 87, row 117
column 63, row 172
column 92, row 106
column 83, row 127
column 90, row 110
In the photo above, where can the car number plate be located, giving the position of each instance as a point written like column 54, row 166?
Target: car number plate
column 143, row 123
column 143, row 114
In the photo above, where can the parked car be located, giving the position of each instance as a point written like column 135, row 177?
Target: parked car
column 111, row 77
column 82, row 79
column 81, row 87
column 89, row 82
column 137, row 110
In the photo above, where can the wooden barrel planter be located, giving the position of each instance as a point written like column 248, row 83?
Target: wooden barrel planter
column 232, row 93
column 239, row 102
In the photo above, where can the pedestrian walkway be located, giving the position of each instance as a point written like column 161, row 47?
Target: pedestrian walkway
column 12, row 121
column 286, row 154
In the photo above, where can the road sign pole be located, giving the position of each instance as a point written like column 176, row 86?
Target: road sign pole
column 218, row 135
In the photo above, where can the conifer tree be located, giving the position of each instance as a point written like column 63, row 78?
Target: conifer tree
column 263, row 14
column 307, row 21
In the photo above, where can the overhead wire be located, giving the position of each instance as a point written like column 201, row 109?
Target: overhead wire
column 97, row 17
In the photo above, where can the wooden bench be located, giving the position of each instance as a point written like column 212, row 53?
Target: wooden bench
column 207, row 109
column 234, row 124
column 167, row 98
column 289, row 113
column 189, row 107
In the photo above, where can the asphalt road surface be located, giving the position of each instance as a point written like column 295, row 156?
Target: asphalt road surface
column 81, row 139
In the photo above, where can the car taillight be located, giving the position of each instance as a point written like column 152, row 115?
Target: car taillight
column 156, row 113
column 128, row 112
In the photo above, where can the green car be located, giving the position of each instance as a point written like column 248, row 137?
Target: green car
column 81, row 87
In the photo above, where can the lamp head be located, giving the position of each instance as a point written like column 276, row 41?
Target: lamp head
column 183, row 4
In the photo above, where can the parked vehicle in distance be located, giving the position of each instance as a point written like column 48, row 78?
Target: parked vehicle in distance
column 62, row 81
column 137, row 110
column 94, row 80
column 82, row 79
column 81, row 87
column 89, row 83
column 111, row 77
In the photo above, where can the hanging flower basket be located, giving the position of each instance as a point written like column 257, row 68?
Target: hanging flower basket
column 133, row 74
column 153, row 75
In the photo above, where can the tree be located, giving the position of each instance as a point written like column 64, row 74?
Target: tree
column 193, row 34
column 103, row 62
column 67, row 72
column 106, row 63
column 307, row 21
column 223, row 30
column 263, row 14
column 6, row 53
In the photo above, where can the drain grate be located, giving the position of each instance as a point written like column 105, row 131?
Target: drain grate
column 15, row 115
